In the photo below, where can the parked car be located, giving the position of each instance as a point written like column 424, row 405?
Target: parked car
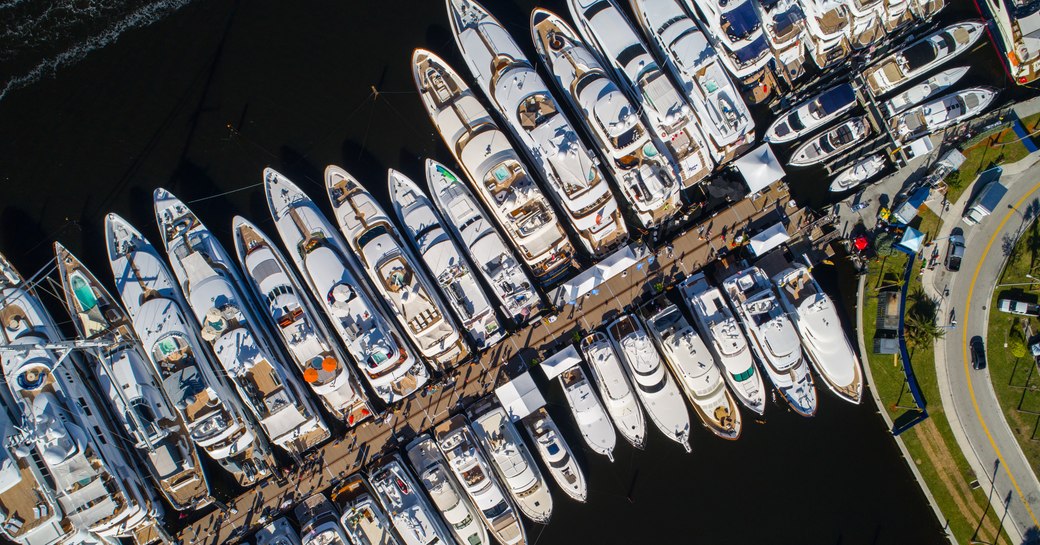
column 978, row 353
column 1012, row 306
column 954, row 253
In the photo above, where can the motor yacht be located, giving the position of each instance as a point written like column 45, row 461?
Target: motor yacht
column 723, row 117
column 718, row 325
column 319, row 524
column 411, row 514
column 783, row 22
column 130, row 386
column 897, row 14
column 318, row 359
column 812, row 114
column 735, row 32
column 827, row 23
column 395, row 271
column 556, row 454
column 942, row 112
column 589, row 415
column 614, row 388
column 511, row 460
column 217, row 295
column 190, row 377
column 823, row 336
column 859, row 172
column 494, row 169
column 442, row 257
column 464, row 217
column 865, row 24
column 773, row 338
column 602, row 24
column 279, row 532
column 922, row 91
column 463, row 518
column 921, row 56
column 693, row 365
column 473, row 472
column 645, row 175
column 361, row 516
column 654, row 385
column 321, row 256
column 61, row 428
column 831, row 143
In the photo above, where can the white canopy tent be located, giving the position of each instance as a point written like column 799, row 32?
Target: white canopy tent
column 565, row 359
column 769, row 238
column 591, row 278
column 520, row 397
column 760, row 168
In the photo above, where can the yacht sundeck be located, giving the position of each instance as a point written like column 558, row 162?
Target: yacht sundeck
column 364, row 520
column 783, row 22
column 921, row 56
column 942, row 112
column 415, row 520
column 897, row 14
column 923, row 91
column 462, row 516
column 319, row 524
column 812, row 114
column 865, row 25
column 831, row 143
column 827, row 23
column 736, row 35
column 614, row 388
column 859, row 172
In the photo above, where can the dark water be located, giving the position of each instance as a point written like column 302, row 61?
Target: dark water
column 203, row 97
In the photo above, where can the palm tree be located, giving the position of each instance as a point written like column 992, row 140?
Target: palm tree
column 920, row 327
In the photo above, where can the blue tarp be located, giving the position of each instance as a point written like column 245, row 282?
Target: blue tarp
column 908, row 370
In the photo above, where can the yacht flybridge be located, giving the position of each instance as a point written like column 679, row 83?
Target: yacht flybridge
column 783, row 22
column 319, row 524
column 190, row 376
column 361, row 516
column 279, row 532
column 921, row 56
column 827, row 23
column 395, row 272
column 601, row 23
column 290, row 312
column 614, row 388
column 646, row 176
column 556, row 454
column 414, row 519
column 321, row 256
column 455, row 506
column 736, row 35
column 132, row 388
column 493, row 168
column 865, row 24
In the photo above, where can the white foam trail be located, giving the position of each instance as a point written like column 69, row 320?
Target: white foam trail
column 143, row 16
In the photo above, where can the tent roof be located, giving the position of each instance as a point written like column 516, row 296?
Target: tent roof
column 769, row 238
column 591, row 278
column 559, row 362
column 520, row 396
column 760, row 168
column 912, row 239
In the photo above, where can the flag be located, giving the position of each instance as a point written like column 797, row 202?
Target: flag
column 599, row 216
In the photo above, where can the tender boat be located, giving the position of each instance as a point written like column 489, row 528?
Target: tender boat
column 321, row 256
column 474, row 473
column 724, row 118
column 645, row 175
column 413, row 517
column 319, row 524
column 865, row 28
column 812, row 114
column 493, row 259
column 736, row 35
column 556, row 454
column 320, row 361
column 215, row 292
column 923, row 91
column 654, row 385
column 445, row 262
column 693, row 365
column 831, row 143
column 62, row 429
column 941, row 112
column 717, row 324
column 586, row 408
column 511, row 460
column 783, row 22
column 614, row 388
column 364, row 520
column 462, row 516
column 773, row 338
column 601, row 23
column 827, row 24
column 859, row 172
column 395, row 271
column 279, row 532
column 494, row 169
column 131, row 387
column 822, row 334
column 191, row 377
column 921, row 56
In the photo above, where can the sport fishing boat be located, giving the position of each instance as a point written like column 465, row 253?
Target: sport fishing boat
column 941, row 113
column 921, row 56
column 279, row 532
column 695, row 369
column 822, row 334
column 812, row 114
column 511, row 460
column 645, row 175
column 654, row 385
column 413, row 517
column 217, row 295
column 831, row 143
column 865, row 28
column 494, row 169
column 614, row 388
column 321, row 257
column 319, row 360
column 717, row 324
column 783, row 23
column 474, row 473
column 556, row 454
column 724, row 118
column 394, row 271
column 190, row 377
column 735, row 32
column 442, row 257
column 61, row 428
column 319, row 524
column 364, row 520
column 586, row 408
column 131, row 387
column 923, row 91
column 552, row 146
column 773, row 338
column 492, row 258
column 602, row 24
column 859, row 172
column 462, row 516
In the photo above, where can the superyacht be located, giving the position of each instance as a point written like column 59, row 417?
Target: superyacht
column 462, row 516
column 812, row 114
column 827, row 23
column 589, row 415
column 921, row 56
column 415, row 520
column 614, row 388
column 832, row 143
column 897, row 14
column 735, row 32
column 279, row 532
column 319, row 524
column 923, row 91
column 865, row 24
column 783, row 22
column 364, row 520
column 942, row 112
column 556, row 454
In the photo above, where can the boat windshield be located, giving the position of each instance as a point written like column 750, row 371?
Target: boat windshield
column 741, row 377
column 740, row 21
column 917, row 56
column 496, row 510
column 370, row 235
column 795, row 122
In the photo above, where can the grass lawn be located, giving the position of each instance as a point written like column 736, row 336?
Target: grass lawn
column 995, row 148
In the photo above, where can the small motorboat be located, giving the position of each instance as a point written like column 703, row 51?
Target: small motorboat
column 859, row 172
column 923, row 91
column 831, row 143
column 941, row 113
